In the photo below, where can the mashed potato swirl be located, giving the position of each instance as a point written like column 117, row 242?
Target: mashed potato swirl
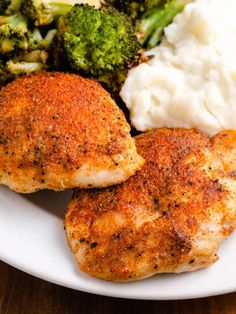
column 191, row 80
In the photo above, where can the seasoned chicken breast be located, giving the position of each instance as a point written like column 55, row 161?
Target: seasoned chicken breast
column 170, row 217
column 60, row 131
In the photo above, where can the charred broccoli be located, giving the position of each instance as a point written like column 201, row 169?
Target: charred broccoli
column 27, row 62
column 152, row 23
column 97, row 41
column 134, row 8
column 150, row 17
column 23, row 67
column 4, row 5
column 44, row 12
column 22, row 64
column 13, row 33
column 9, row 7
column 22, row 50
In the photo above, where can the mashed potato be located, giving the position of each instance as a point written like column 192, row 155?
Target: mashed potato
column 191, row 80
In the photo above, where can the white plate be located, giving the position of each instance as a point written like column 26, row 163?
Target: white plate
column 32, row 239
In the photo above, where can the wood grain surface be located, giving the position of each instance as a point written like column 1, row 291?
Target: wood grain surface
column 21, row 293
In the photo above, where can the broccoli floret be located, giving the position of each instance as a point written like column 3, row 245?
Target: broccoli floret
column 9, row 7
column 152, row 23
column 26, row 63
column 4, row 4
column 13, row 33
column 32, row 60
column 150, row 16
column 131, row 8
column 44, row 12
column 134, row 8
column 22, row 51
column 97, row 41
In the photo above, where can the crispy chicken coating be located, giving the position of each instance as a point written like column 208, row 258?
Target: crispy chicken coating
column 60, row 131
column 170, row 217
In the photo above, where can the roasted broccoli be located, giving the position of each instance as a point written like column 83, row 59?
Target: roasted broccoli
column 9, row 7
column 150, row 17
column 44, row 12
column 16, row 36
column 13, row 33
column 97, row 41
column 4, row 5
column 134, row 8
column 152, row 23
column 22, row 50
column 23, row 67
column 25, row 62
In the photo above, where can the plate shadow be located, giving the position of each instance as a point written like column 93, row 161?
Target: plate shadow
column 54, row 203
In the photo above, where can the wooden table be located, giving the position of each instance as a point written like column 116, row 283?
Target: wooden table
column 21, row 293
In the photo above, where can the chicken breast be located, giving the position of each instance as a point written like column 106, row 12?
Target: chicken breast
column 60, row 131
column 170, row 217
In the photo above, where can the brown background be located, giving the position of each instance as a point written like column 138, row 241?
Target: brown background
column 21, row 293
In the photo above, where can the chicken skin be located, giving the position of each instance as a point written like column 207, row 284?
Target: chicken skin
column 169, row 217
column 60, row 131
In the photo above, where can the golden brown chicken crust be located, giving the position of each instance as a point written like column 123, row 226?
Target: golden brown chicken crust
column 169, row 217
column 53, row 124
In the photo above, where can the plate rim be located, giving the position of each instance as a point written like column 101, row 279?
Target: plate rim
column 8, row 254
column 106, row 292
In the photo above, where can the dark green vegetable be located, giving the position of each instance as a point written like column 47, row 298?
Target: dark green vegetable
column 150, row 17
column 22, row 50
column 97, row 42
column 13, row 33
column 152, row 23
column 9, row 7
column 4, row 5
column 44, row 12
column 135, row 8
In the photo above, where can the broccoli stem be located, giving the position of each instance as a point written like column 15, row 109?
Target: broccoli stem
column 16, row 22
column 49, row 38
column 24, row 67
column 34, row 56
column 36, row 36
column 153, row 22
